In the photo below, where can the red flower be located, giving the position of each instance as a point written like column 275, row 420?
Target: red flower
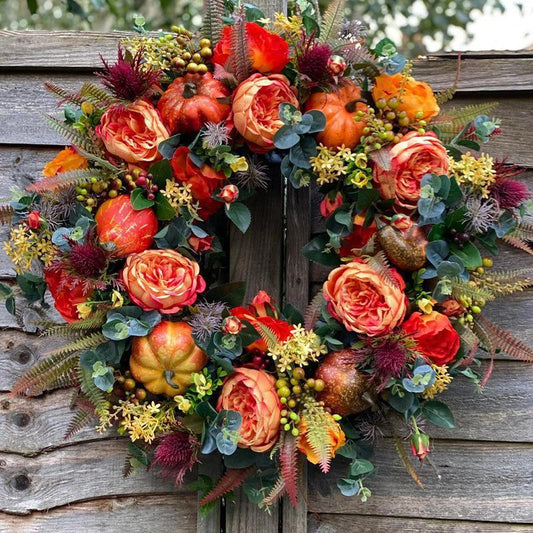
column 231, row 325
column 67, row 292
column 204, row 180
column 358, row 238
column 434, row 335
column 229, row 193
column 269, row 53
column 34, row 220
column 201, row 244
column 330, row 203
column 420, row 445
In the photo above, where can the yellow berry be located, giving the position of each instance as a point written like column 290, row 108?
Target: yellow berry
column 206, row 52
column 298, row 373
column 291, row 403
column 113, row 194
column 480, row 270
column 319, row 385
column 487, row 262
column 205, row 43
column 295, row 432
column 87, row 108
column 281, row 383
column 284, row 392
column 202, row 69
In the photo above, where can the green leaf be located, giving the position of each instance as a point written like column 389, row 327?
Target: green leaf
column 163, row 209
column 230, row 293
column 161, row 171
column 360, row 467
column 139, row 201
column 319, row 121
column 366, row 198
column 286, row 138
column 314, row 251
column 168, row 146
column 302, row 152
column 455, row 194
column 438, row 413
column 240, row 215
column 469, row 255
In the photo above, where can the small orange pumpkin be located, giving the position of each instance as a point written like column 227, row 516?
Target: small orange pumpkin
column 131, row 231
column 339, row 107
column 164, row 360
column 192, row 100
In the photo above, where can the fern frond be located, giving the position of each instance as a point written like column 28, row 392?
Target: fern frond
column 523, row 230
column 63, row 94
column 359, row 58
column 66, row 380
column 446, row 95
column 43, row 374
column 270, row 338
column 96, row 396
column 471, row 341
column 6, row 214
column 380, row 264
column 73, row 136
column 486, row 341
column 462, row 288
column 74, row 329
column 64, row 180
column 506, row 282
column 504, row 341
column 313, row 310
column 213, row 19
column 79, row 421
column 331, row 20
column 96, row 95
column 127, row 469
column 518, row 243
column 84, row 343
column 240, row 47
column 451, row 122
column 230, row 480
column 398, row 444
column 288, row 458
column 277, row 492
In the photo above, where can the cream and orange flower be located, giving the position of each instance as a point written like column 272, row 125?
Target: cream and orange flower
column 359, row 297
column 410, row 160
column 132, row 132
column 66, row 160
column 256, row 109
column 162, row 280
column 252, row 393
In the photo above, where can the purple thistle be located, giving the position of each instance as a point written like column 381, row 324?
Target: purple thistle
column 176, row 454
column 313, row 62
column 390, row 358
column 510, row 193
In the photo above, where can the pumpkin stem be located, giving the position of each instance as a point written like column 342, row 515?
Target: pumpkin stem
column 352, row 105
column 169, row 374
column 189, row 90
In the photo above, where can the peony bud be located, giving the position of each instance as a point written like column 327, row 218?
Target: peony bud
column 201, row 244
column 401, row 222
column 336, row 65
column 229, row 193
column 420, row 445
column 232, row 325
column 34, row 220
column 328, row 205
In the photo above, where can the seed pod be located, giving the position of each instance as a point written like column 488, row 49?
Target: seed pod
column 405, row 250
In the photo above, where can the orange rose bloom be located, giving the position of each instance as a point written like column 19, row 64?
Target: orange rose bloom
column 163, row 280
column 360, row 299
column 204, row 181
column 66, row 292
column 411, row 159
column 269, row 52
column 252, row 393
column 256, row 109
column 414, row 96
column 434, row 335
column 132, row 132
column 337, row 440
column 67, row 159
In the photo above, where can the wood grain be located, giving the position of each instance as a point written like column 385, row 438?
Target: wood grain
column 484, row 481
column 137, row 514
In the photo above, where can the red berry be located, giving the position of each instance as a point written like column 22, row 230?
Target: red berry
column 150, row 196
column 141, row 181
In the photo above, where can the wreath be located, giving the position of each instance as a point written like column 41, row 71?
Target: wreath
column 121, row 232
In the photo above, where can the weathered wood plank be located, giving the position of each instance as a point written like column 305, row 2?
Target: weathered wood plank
column 138, row 514
column 480, row 481
column 73, row 474
column 331, row 523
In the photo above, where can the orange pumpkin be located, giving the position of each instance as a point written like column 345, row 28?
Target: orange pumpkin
column 191, row 101
column 164, row 360
column 339, row 107
column 129, row 230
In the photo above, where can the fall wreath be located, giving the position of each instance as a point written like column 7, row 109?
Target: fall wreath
column 121, row 232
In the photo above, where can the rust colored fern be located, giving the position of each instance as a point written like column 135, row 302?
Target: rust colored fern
column 230, row 480
column 288, row 458
column 277, row 492
column 80, row 420
column 312, row 313
column 381, row 265
column 6, row 214
column 519, row 243
column 398, row 444
column 241, row 64
column 64, row 180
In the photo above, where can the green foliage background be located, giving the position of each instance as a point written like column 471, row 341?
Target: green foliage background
column 416, row 20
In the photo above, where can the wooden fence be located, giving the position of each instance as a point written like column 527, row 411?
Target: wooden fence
column 49, row 485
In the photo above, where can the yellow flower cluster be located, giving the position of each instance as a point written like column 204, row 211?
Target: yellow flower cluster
column 478, row 175
column 157, row 53
column 179, row 195
column 24, row 246
column 141, row 420
column 291, row 27
column 303, row 346
column 442, row 380
column 331, row 166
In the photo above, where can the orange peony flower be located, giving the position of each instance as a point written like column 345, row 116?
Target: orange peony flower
column 434, row 335
column 256, row 109
column 252, row 393
column 269, row 52
column 204, row 181
column 360, row 299
column 337, row 440
column 66, row 292
column 132, row 132
column 411, row 159
column 67, row 159
column 414, row 97
column 163, row 280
